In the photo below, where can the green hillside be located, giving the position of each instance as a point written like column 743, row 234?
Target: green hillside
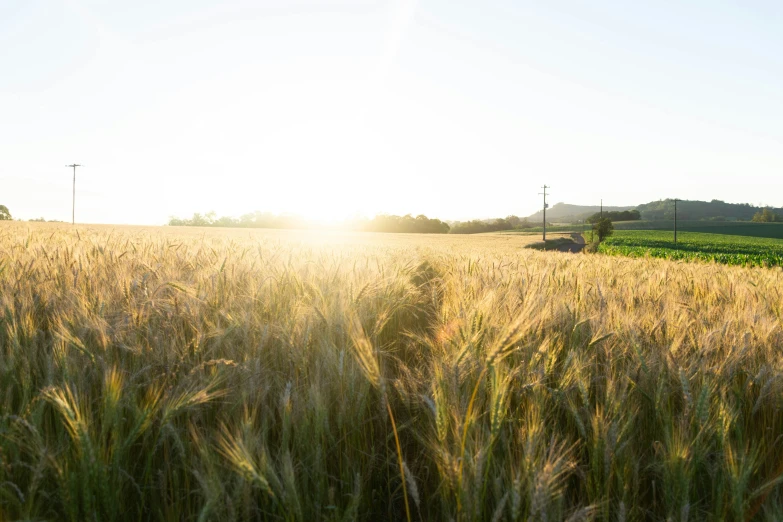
column 661, row 210
column 699, row 210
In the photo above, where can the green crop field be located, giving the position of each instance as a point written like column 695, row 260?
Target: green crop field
column 693, row 246
column 734, row 228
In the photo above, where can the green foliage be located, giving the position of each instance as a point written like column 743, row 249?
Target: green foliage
column 592, row 246
column 603, row 228
column 767, row 216
column 725, row 249
column 5, row 214
column 624, row 215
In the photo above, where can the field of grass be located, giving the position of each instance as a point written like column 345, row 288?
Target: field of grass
column 692, row 246
column 169, row 374
column 733, row 228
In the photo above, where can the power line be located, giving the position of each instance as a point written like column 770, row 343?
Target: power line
column 545, row 205
column 73, row 207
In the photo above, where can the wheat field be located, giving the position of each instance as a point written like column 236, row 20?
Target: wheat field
column 188, row 374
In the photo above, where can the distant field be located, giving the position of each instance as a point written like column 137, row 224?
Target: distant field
column 551, row 229
column 735, row 228
column 717, row 247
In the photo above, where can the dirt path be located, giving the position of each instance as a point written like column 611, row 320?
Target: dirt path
column 576, row 246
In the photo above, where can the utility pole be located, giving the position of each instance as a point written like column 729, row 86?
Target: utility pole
column 675, row 221
column 602, row 208
column 545, row 205
column 73, row 207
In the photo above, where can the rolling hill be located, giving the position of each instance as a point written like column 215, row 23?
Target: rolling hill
column 566, row 213
column 693, row 210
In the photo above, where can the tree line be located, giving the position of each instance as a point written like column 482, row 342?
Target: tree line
column 420, row 224
column 478, row 226
column 715, row 210
column 408, row 223
column 250, row 220
column 766, row 215
column 615, row 215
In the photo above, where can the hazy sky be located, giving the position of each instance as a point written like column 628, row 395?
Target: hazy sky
column 453, row 109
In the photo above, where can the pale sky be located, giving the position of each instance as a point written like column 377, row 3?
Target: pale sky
column 453, row 109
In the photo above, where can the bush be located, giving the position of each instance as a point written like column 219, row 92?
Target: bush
column 604, row 228
column 591, row 248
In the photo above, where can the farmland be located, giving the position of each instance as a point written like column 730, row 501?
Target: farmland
column 692, row 246
column 732, row 228
column 192, row 374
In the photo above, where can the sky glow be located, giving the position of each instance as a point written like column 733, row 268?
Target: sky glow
column 330, row 109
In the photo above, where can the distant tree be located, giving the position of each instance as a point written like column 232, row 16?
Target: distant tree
column 381, row 223
column 524, row 223
column 252, row 220
column 604, row 228
column 421, row 224
column 5, row 214
column 225, row 221
column 477, row 226
column 767, row 216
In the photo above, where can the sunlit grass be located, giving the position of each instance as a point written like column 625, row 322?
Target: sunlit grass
column 168, row 374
